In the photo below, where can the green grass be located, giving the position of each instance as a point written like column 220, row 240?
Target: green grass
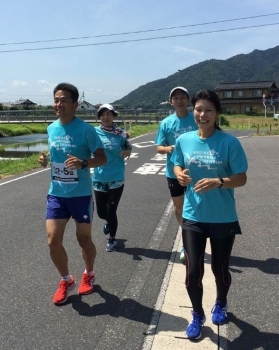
column 240, row 122
column 18, row 166
column 22, row 129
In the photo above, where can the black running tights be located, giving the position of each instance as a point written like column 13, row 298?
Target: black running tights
column 194, row 244
column 107, row 203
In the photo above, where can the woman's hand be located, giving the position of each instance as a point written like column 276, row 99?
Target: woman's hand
column 126, row 154
column 205, row 185
column 183, row 178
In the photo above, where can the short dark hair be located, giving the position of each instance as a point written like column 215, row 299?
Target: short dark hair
column 69, row 88
column 210, row 96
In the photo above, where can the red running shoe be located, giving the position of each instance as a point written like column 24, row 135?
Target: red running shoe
column 63, row 290
column 86, row 284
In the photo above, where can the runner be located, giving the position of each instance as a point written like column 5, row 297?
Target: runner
column 71, row 142
column 108, row 180
column 211, row 163
column 170, row 128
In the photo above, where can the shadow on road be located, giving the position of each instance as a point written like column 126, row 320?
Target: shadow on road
column 137, row 253
column 114, row 307
column 251, row 338
column 269, row 266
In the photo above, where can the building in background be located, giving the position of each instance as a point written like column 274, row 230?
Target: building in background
column 247, row 97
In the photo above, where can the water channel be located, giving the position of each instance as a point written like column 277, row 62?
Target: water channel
column 21, row 146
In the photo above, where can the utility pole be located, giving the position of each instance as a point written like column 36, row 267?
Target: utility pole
column 178, row 77
column 81, row 98
column 264, row 101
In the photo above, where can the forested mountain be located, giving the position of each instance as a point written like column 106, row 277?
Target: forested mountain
column 255, row 66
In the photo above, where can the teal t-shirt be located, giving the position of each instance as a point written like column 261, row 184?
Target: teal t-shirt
column 114, row 169
column 78, row 139
column 220, row 155
column 169, row 130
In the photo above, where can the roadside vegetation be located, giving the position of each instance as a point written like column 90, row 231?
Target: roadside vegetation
column 261, row 125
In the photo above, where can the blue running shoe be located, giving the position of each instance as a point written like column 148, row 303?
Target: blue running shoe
column 106, row 229
column 193, row 331
column 111, row 245
column 219, row 313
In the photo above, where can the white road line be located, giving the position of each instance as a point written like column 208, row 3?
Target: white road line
column 22, row 177
column 151, row 331
column 135, row 285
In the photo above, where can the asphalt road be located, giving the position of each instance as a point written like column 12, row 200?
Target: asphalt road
column 117, row 314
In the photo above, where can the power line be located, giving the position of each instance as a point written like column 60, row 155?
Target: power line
column 3, row 93
column 141, row 39
column 137, row 32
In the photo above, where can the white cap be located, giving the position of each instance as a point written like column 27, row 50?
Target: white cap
column 106, row 106
column 179, row 88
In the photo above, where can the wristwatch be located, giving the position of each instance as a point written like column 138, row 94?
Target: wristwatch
column 84, row 164
column 221, row 182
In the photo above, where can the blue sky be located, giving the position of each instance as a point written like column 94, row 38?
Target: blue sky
column 108, row 72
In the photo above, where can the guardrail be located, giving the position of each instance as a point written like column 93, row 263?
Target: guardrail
column 125, row 116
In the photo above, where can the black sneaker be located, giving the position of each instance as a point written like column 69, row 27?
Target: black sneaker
column 106, row 229
column 111, row 245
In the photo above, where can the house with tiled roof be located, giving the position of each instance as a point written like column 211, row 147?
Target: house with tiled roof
column 25, row 103
column 246, row 97
column 7, row 104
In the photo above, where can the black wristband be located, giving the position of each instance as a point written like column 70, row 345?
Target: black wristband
column 221, row 182
column 84, row 164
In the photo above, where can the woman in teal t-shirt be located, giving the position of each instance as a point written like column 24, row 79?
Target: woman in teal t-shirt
column 211, row 163
column 108, row 180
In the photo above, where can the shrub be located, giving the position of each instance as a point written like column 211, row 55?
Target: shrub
column 223, row 121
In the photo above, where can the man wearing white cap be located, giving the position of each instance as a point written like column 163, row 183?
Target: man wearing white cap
column 170, row 128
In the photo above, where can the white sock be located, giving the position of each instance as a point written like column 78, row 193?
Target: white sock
column 91, row 273
column 66, row 278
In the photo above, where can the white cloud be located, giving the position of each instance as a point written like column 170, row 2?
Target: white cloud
column 17, row 83
column 45, row 82
column 185, row 49
column 45, row 85
column 3, row 90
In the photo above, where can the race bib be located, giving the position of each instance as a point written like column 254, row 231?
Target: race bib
column 60, row 173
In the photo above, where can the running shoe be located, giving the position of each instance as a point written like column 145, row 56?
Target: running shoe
column 111, row 245
column 106, row 229
column 193, row 331
column 182, row 254
column 219, row 313
column 86, row 284
column 61, row 295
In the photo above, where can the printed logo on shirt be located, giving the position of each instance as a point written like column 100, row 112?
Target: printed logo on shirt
column 62, row 143
column 179, row 132
column 208, row 159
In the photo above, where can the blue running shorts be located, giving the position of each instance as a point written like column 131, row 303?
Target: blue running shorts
column 79, row 208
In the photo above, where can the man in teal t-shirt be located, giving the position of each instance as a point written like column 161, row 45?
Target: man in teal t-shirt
column 71, row 142
column 170, row 128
